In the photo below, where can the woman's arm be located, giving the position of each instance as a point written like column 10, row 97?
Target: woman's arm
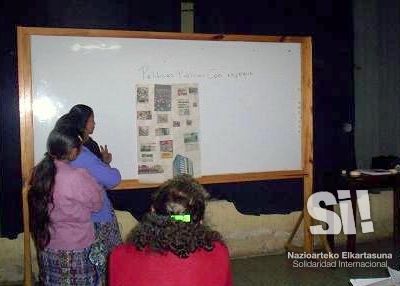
column 104, row 175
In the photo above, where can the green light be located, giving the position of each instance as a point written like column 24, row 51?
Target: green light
column 181, row 217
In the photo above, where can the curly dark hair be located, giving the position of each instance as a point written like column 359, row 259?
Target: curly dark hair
column 40, row 196
column 159, row 232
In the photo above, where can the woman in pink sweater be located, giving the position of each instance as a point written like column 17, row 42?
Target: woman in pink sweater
column 61, row 201
column 172, row 246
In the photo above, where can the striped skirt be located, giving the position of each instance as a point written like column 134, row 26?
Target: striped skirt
column 108, row 233
column 108, row 236
column 67, row 267
column 80, row 267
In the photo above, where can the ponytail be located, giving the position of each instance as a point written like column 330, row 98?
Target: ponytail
column 40, row 198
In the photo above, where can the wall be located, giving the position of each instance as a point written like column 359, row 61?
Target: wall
column 376, row 79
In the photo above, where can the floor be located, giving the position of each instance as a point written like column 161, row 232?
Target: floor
column 279, row 269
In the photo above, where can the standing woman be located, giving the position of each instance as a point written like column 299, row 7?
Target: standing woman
column 97, row 163
column 61, row 200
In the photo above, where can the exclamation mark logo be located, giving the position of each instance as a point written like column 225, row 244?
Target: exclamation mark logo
column 365, row 211
column 346, row 211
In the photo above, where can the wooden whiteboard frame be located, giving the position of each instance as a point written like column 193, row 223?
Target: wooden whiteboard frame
column 25, row 97
column 26, row 115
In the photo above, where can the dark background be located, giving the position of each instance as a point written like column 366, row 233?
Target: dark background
column 329, row 22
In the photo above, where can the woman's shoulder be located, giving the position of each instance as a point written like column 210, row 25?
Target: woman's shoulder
column 85, row 158
column 122, row 250
column 73, row 176
column 218, row 253
column 82, row 172
column 221, row 248
column 93, row 147
column 68, row 170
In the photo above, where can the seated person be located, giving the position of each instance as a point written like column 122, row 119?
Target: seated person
column 172, row 246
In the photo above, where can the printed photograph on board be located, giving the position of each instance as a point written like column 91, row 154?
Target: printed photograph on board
column 168, row 124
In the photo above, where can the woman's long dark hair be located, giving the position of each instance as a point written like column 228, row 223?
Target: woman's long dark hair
column 78, row 116
column 81, row 113
column 159, row 232
column 40, row 196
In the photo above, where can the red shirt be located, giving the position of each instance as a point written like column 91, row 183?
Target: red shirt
column 129, row 266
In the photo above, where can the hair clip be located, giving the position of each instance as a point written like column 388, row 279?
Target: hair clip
column 181, row 217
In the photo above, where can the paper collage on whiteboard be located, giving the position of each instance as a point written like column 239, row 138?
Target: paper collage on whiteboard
column 167, row 131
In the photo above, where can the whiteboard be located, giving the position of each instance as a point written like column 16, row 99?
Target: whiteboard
column 250, row 95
